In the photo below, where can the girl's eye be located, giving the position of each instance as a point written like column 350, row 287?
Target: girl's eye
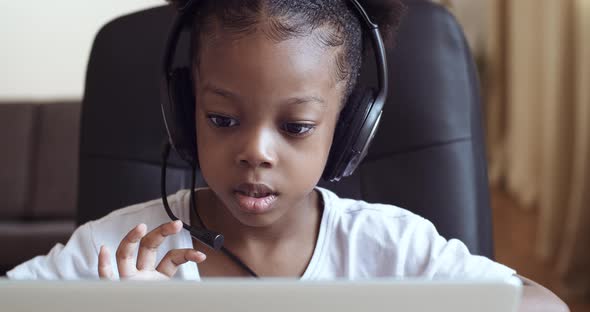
column 222, row 121
column 297, row 129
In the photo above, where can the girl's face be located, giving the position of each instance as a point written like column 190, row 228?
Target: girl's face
column 265, row 114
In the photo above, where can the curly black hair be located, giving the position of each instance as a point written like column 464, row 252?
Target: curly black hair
column 334, row 22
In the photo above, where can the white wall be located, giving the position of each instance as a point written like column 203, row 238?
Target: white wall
column 45, row 44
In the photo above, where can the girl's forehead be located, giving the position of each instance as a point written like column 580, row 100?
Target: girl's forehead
column 254, row 60
column 257, row 47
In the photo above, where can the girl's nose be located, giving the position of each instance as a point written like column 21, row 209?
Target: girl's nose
column 257, row 150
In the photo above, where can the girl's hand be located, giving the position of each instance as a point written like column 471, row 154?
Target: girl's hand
column 145, row 267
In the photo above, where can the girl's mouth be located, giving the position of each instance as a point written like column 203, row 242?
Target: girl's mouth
column 255, row 202
column 255, row 198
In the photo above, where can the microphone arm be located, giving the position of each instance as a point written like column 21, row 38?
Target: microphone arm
column 209, row 238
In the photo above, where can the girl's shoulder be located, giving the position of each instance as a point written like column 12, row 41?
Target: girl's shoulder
column 386, row 240
column 352, row 210
column 382, row 224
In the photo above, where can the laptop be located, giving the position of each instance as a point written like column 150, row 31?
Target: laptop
column 263, row 295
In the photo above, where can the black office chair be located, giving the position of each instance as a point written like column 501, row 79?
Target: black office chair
column 428, row 155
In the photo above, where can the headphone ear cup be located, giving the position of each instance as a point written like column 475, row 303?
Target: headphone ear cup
column 352, row 119
column 181, row 122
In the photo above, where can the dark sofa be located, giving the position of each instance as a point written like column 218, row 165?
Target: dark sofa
column 38, row 177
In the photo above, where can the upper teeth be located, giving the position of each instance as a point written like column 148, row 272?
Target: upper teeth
column 255, row 194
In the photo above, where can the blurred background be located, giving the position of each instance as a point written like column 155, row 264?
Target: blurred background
column 534, row 62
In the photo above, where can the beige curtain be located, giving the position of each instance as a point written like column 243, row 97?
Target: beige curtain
column 538, row 116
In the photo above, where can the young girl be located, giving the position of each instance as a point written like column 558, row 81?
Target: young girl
column 271, row 78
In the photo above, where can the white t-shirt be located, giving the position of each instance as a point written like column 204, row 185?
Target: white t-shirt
column 356, row 240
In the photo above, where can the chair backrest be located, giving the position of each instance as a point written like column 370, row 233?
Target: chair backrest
column 428, row 156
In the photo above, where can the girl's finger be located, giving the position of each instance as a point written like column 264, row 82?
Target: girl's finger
column 125, row 254
column 148, row 247
column 105, row 269
column 174, row 258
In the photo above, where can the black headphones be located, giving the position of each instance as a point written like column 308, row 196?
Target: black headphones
column 354, row 132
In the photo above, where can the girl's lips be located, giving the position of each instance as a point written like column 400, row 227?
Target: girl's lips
column 255, row 205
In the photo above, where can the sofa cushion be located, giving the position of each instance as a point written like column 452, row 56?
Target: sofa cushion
column 56, row 165
column 17, row 135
